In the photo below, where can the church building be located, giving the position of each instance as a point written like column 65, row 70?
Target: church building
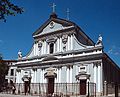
column 62, row 51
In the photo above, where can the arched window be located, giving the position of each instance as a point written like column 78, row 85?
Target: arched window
column 51, row 48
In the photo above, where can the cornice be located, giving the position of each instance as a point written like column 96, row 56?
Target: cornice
column 58, row 33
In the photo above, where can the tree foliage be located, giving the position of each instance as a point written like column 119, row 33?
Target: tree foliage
column 3, row 72
column 7, row 8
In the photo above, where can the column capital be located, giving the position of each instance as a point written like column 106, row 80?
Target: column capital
column 34, row 69
column 68, row 67
column 59, row 67
column 97, row 63
column 42, row 68
column 18, row 70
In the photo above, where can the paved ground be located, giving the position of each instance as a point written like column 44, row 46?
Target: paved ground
column 12, row 95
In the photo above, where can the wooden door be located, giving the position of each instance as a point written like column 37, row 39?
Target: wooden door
column 82, row 87
column 50, row 85
column 26, row 85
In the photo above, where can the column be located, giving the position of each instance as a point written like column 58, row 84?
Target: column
column 38, row 75
column 21, row 75
column 67, row 75
column 54, row 47
column 18, row 77
column 77, row 69
column 45, row 47
column 34, row 48
column 43, row 76
column 71, row 42
column 68, row 46
column 48, row 48
column 56, row 79
column 44, row 80
column 99, row 77
column 95, row 73
column 71, row 74
column 60, row 75
column 42, row 49
column 41, row 80
column 32, row 75
column 19, row 81
column 37, row 49
column 60, row 44
column 35, row 75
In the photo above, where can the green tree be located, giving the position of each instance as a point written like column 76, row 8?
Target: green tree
column 7, row 8
column 3, row 72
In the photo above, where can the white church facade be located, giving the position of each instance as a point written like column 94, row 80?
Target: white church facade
column 62, row 45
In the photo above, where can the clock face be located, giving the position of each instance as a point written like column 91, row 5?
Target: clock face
column 51, row 25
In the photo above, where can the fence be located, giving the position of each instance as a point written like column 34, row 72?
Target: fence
column 112, row 89
column 60, row 89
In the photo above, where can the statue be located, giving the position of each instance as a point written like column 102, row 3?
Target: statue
column 99, row 42
column 39, row 45
column 19, row 54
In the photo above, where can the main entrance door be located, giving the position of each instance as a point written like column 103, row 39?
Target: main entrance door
column 50, row 85
column 82, row 87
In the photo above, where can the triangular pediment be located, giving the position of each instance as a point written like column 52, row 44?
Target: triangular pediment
column 55, row 24
column 52, row 25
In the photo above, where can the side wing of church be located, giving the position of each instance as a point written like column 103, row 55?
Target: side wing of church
column 62, row 45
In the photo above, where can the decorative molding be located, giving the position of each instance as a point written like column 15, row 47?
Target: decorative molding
column 65, row 38
column 39, row 45
column 64, row 47
column 55, row 34
column 51, row 39
column 51, row 25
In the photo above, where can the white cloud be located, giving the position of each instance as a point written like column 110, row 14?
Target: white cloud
column 114, row 50
column 110, row 51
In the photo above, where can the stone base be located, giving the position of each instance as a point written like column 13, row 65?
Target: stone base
column 79, row 96
column 99, row 94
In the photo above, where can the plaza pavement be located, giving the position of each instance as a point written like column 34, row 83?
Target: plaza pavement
column 12, row 95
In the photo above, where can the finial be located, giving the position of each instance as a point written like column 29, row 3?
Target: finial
column 68, row 13
column 53, row 7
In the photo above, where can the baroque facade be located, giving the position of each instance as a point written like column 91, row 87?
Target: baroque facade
column 62, row 45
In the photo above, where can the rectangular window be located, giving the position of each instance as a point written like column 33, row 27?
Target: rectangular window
column 12, row 72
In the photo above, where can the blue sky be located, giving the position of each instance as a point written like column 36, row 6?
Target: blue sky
column 93, row 16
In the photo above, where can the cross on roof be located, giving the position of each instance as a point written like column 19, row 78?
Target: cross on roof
column 68, row 13
column 53, row 7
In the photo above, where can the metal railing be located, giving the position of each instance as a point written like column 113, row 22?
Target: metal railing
column 112, row 89
column 60, row 89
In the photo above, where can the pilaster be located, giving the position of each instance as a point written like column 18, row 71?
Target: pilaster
column 95, row 73
column 60, row 44
column 99, row 77
column 68, row 46
column 71, row 41
column 45, row 47
column 71, row 70
column 67, row 76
